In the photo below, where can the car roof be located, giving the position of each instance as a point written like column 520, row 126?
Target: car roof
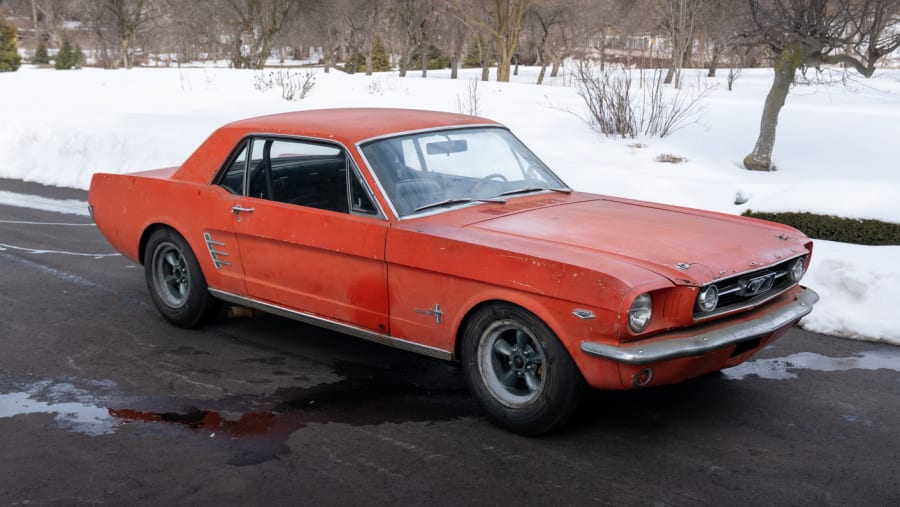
column 347, row 126
column 352, row 125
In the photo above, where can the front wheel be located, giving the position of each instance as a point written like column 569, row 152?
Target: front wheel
column 176, row 282
column 519, row 371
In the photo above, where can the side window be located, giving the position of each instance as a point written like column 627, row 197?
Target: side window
column 360, row 200
column 305, row 174
column 232, row 179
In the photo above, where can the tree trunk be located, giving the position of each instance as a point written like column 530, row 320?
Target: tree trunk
column 540, row 78
column 760, row 159
column 714, row 61
column 424, row 61
column 454, row 67
column 670, row 73
column 123, row 53
column 554, row 71
column 504, row 60
column 34, row 18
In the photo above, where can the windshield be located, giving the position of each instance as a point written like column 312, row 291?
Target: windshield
column 435, row 170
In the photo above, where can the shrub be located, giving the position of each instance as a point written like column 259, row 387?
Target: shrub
column 9, row 54
column 380, row 60
column 435, row 59
column 294, row 86
column 832, row 228
column 468, row 103
column 68, row 57
column 619, row 109
column 669, row 158
column 40, row 55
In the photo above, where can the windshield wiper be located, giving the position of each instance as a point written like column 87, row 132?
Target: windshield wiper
column 535, row 189
column 449, row 202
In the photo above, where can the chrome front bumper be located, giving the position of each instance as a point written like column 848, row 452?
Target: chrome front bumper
column 699, row 344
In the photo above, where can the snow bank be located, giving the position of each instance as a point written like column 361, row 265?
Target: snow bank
column 837, row 150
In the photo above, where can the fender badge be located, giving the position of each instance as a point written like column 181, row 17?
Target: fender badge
column 434, row 312
column 583, row 314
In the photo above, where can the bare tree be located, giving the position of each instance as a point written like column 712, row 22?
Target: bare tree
column 50, row 17
column 679, row 19
column 452, row 40
column 253, row 25
column 115, row 24
column 411, row 24
column 545, row 23
column 503, row 25
column 719, row 24
column 325, row 24
column 364, row 20
column 812, row 33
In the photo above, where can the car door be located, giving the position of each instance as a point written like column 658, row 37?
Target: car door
column 309, row 236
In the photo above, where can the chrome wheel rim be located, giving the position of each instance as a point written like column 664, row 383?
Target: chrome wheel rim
column 513, row 364
column 171, row 279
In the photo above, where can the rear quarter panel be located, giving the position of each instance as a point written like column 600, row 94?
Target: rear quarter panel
column 126, row 206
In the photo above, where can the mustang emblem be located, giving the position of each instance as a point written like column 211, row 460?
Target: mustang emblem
column 752, row 286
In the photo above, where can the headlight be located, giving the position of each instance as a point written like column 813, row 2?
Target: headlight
column 640, row 312
column 798, row 268
column 708, row 298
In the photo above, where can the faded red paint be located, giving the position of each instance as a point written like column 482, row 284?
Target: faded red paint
column 548, row 253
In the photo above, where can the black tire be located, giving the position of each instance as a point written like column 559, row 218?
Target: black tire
column 176, row 282
column 523, row 377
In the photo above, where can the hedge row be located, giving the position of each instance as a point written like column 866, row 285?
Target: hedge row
column 832, row 228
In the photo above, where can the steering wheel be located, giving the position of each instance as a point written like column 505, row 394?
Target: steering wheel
column 482, row 181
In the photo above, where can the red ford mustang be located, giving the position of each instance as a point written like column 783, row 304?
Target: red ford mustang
column 443, row 234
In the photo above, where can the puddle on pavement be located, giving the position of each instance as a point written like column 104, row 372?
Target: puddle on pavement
column 375, row 396
column 75, row 416
column 784, row 368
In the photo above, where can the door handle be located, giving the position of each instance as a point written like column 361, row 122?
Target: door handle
column 238, row 209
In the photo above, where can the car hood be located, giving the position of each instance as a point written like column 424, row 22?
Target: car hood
column 684, row 245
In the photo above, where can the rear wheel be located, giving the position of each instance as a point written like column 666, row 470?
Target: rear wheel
column 519, row 371
column 175, row 280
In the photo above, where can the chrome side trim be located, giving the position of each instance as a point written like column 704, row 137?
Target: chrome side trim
column 211, row 245
column 331, row 325
column 705, row 342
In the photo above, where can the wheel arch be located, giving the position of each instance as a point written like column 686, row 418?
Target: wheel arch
column 531, row 306
column 148, row 232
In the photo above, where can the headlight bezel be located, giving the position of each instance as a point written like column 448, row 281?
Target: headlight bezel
column 640, row 313
column 792, row 271
column 707, row 299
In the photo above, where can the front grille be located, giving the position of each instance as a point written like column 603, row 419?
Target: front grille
column 750, row 289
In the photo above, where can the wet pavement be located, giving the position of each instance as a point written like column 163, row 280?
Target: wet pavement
column 102, row 402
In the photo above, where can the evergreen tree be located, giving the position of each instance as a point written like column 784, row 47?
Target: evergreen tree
column 380, row 60
column 68, row 57
column 9, row 55
column 435, row 59
column 40, row 54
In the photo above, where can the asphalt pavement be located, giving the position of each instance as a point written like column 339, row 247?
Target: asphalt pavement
column 103, row 402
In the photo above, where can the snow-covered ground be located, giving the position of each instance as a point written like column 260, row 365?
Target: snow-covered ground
column 838, row 148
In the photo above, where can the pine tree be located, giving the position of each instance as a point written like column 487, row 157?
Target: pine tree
column 40, row 54
column 68, row 57
column 380, row 60
column 9, row 55
column 435, row 59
